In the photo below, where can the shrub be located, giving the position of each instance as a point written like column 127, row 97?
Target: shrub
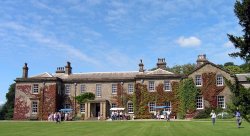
column 203, row 114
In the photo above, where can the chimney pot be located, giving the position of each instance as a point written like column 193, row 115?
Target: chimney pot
column 201, row 60
column 25, row 70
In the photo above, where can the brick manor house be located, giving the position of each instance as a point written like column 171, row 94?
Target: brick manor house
column 37, row 96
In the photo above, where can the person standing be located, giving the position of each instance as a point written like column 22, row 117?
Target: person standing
column 238, row 119
column 213, row 117
column 168, row 115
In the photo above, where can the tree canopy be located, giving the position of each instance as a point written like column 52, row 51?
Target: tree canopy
column 240, row 99
column 84, row 97
column 187, row 95
column 7, row 109
column 242, row 11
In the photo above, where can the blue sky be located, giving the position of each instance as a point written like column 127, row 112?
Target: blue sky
column 103, row 35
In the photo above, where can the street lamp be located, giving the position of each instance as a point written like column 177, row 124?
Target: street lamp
column 75, row 97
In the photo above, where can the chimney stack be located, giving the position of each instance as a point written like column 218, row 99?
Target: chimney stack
column 201, row 60
column 141, row 66
column 60, row 70
column 68, row 69
column 25, row 71
column 161, row 63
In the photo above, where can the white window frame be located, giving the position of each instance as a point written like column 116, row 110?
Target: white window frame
column 113, row 105
column 83, row 88
column 34, row 107
column 98, row 90
column 130, row 107
column 198, row 80
column 151, row 86
column 67, row 89
column 35, row 88
column 167, row 85
column 130, row 88
column 221, row 103
column 114, row 88
column 199, row 102
column 219, row 80
column 168, row 103
column 151, row 106
column 82, row 108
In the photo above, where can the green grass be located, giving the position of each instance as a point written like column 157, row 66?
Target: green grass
column 124, row 128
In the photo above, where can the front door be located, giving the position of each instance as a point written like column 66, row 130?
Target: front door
column 97, row 109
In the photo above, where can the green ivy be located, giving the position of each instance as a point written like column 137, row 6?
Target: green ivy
column 142, row 97
column 84, row 97
column 240, row 99
column 187, row 94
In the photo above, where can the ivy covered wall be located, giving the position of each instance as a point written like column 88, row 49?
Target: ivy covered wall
column 142, row 97
column 210, row 90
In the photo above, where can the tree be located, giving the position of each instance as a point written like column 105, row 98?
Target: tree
column 183, row 69
column 85, row 97
column 240, row 99
column 233, row 69
column 8, row 108
column 187, row 94
column 242, row 11
column 245, row 67
column 229, row 64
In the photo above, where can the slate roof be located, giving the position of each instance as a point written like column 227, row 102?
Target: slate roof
column 45, row 74
column 243, row 77
column 97, row 76
column 208, row 62
column 159, row 72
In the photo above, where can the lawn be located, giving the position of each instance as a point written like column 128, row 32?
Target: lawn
column 123, row 128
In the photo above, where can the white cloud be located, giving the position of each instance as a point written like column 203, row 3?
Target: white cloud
column 49, row 42
column 45, row 6
column 228, row 44
column 189, row 41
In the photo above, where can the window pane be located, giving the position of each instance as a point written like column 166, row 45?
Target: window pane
column 151, row 85
column 199, row 102
column 83, row 89
column 167, row 85
column 152, row 106
column 34, row 107
column 198, row 80
column 35, row 88
column 113, row 105
column 114, row 88
column 130, row 108
column 169, row 106
column 219, row 80
column 130, row 88
column 82, row 108
column 221, row 101
column 98, row 90
column 67, row 89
